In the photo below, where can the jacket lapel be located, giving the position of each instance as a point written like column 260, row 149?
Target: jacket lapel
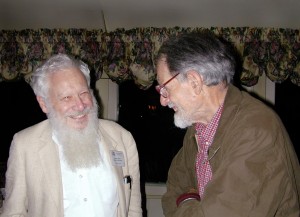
column 231, row 106
column 108, row 146
column 49, row 159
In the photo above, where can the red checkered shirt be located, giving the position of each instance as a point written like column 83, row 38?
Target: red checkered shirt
column 205, row 135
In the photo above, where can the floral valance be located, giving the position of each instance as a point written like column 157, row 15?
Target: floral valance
column 129, row 54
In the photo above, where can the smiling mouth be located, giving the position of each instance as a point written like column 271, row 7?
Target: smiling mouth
column 173, row 107
column 77, row 117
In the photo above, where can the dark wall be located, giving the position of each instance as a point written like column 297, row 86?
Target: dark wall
column 287, row 105
column 19, row 109
column 157, row 138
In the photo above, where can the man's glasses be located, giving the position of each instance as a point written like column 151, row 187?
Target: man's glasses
column 161, row 89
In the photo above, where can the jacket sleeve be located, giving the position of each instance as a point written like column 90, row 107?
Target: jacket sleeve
column 15, row 203
column 181, row 177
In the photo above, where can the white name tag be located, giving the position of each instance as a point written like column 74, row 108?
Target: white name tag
column 117, row 158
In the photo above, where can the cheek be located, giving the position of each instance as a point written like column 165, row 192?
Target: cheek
column 62, row 110
column 184, row 101
column 89, row 102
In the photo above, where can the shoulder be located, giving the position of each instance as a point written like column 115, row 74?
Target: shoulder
column 254, row 121
column 35, row 131
column 114, row 130
column 111, row 126
column 32, row 138
column 118, row 137
column 249, row 111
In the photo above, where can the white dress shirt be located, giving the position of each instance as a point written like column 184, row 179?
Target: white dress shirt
column 89, row 192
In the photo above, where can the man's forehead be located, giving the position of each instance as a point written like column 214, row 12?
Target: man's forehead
column 162, row 60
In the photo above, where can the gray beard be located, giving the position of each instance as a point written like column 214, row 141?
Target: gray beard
column 80, row 148
column 181, row 121
column 181, row 118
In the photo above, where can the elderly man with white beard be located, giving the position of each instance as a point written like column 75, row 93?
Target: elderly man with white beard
column 72, row 164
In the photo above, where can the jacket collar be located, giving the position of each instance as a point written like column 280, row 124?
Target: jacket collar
column 231, row 107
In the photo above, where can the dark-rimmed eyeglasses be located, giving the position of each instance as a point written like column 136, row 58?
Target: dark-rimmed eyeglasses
column 161, row 89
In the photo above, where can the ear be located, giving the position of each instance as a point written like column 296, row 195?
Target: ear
column 42, row 104
column 195, row 80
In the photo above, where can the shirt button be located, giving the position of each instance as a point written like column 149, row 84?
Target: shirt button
column 85, row 199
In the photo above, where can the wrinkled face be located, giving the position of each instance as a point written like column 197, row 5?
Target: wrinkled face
column 70, row 98
column 179, row 96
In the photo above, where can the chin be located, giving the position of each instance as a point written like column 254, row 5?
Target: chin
column 78, row 126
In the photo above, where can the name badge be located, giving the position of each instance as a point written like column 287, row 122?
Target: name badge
column 117, row 158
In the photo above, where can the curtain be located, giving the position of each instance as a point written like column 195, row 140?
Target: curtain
column 129, row 54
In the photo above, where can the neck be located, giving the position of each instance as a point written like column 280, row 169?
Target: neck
column 212, row 98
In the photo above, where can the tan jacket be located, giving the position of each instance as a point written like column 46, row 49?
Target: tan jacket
column 255, row 171
column 33, row 177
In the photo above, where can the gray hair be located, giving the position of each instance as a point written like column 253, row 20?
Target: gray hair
column 203, row 52
column 39, row 79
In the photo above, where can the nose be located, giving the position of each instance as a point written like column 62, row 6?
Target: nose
column 164, row 100
column 79, row 104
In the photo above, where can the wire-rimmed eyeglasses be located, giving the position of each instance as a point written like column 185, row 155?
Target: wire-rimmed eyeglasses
column 161, row 89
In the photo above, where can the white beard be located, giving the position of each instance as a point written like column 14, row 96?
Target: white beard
column 181, row 121
column 79, row 146
column 181, row 118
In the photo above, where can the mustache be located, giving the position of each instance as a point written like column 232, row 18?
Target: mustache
column 78, row 113
column 170, row 105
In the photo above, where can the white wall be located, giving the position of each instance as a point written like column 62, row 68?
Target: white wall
column 155, row 13
column 109, row 94
column 265, row 89
column 154, row 193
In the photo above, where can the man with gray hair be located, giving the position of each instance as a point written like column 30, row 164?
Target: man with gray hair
column 72, row 164
column 237, row 159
